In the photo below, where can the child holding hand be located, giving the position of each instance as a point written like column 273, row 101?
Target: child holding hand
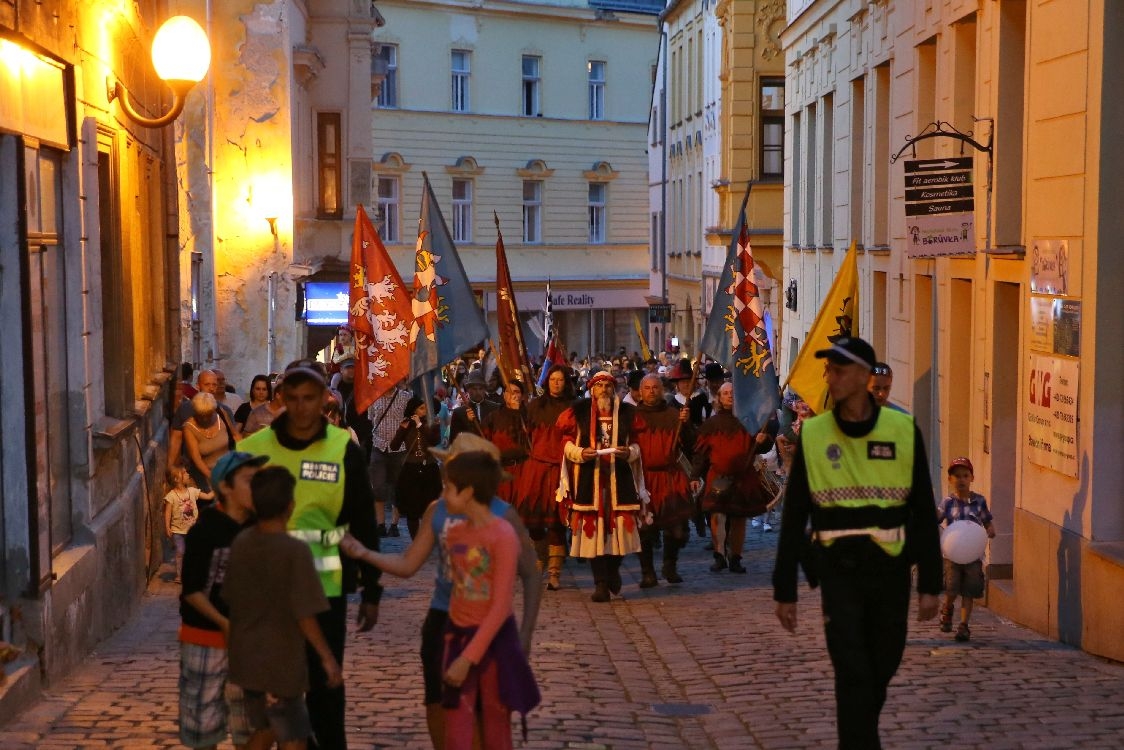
column 181, row 510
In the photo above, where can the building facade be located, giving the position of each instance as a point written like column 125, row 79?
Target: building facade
column 716, row 130
column 272, row 161
column 1007, row 351
column 537, row 112
column 88, row 291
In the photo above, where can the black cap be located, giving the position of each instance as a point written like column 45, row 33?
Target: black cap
column 302, row 371
column 634, row 378
column 849, row 350
column 714, row 371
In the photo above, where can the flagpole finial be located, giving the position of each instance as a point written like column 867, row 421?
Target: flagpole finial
column 496, row 217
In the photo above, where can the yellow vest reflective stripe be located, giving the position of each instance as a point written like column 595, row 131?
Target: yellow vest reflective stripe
column 319, row 471
column 860, row 474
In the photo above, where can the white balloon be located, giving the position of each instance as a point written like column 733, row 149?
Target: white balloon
column 964, row 542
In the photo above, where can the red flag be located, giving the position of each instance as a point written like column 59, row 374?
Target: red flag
column 513, row 352
column 379, row 314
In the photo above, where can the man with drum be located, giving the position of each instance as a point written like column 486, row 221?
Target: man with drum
column 860, row 475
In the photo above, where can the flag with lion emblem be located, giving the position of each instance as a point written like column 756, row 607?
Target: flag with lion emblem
column 379, row 314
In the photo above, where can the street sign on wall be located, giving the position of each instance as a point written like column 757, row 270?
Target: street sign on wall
column 659, row 313
column 940, row 207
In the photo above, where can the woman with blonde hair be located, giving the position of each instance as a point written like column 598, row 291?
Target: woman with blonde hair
column 207, row 437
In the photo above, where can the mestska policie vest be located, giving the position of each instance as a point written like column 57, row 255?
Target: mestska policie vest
column 319, row 472
column 874, row 472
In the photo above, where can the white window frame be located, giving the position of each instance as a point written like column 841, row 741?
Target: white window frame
column 530, row 100
column 462, row 211
column 461, row 78
column 532, row 212
column 596, row 70
column 388, row 92
column 389, row 202
column 598, row 213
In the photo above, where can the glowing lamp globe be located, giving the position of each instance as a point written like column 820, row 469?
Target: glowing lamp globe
column 180, row 50
column 964, row 542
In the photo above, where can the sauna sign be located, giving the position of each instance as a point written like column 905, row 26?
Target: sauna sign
column 939, row 207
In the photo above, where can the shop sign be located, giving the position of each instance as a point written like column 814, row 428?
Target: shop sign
column 940, row 207
column 1049, row 267
column 1051, row 413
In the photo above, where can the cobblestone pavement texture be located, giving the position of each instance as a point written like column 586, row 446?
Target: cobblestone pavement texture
column 703, row 664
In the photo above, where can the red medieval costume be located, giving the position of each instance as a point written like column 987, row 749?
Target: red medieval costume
column 507, row 429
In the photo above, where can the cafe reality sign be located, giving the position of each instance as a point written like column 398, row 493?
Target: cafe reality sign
column 939, row 207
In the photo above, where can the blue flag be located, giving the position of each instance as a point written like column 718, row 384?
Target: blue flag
column 447, row 320
column 736, row 335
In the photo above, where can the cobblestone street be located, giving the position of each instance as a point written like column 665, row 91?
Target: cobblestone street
column 700, row 665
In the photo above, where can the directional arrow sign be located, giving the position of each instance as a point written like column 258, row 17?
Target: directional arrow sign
column 938, row 165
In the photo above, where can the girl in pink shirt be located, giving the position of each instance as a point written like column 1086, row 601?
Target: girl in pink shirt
column 484, row 662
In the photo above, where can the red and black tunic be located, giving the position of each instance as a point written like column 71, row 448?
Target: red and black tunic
column 507, row 429
column 724, row 448
column 538, row 480
column 654, row 430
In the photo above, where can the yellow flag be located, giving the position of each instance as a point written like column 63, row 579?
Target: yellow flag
column 838, row 316
column 645, row 352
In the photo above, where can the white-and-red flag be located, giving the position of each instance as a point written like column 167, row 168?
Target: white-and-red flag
column 379, row 313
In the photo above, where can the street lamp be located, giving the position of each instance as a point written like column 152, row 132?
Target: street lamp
column 181, row 55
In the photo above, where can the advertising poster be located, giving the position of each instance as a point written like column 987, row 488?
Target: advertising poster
column 1051, row 414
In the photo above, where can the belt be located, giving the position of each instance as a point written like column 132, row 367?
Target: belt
column 325, row 537
column 885, row 536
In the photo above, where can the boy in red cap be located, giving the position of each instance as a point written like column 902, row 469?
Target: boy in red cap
column 965, row 580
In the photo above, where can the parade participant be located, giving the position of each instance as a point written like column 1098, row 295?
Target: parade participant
column 861, row 477
column 538, row 482
column 342, row 348
column 419, row 479
column 633, row 381
column 881, row 383
column 433, row 531
column 702, row 409
column 386, row 415
column 507, row 429
column 333, row 493
column 682, row 379
column 662, row 432
column 597, row 484
column 724, row 454
column 470, row 415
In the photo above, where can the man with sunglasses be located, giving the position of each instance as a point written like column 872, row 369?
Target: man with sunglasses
column 881, row 382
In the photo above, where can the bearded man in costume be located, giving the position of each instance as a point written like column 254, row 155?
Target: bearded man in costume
column 597, row 483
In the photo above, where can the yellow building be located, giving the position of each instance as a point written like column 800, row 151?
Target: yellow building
column 717, row 127
column 536, row 111
column 88, row 291
column 1003, row 328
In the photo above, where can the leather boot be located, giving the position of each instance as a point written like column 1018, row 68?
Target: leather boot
column 671, row 561
column 719, row 563
column 540, row 553
column 555, row 558
column 613, row 573
column 736, row 564
column 647, row 565
column 601, row 593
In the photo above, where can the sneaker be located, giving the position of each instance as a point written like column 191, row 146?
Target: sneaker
column 946, row 620
column 766, row 526
column 755, row 523
column 963, row 633
column 394, row 531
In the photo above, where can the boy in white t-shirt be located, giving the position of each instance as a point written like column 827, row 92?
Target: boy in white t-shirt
column 181, row 509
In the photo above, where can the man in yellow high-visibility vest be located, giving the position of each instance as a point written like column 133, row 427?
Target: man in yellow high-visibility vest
column 861, row 477
column 333, row 495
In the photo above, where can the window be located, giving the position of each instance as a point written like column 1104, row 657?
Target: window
column 388, row 94
column 596, row 90
column 388, row 209
column 532, row 211
column 461, row 68
column 462, row 210
column 328, row 202
column 772, row 128
column 532, row 84
column 597, row 213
